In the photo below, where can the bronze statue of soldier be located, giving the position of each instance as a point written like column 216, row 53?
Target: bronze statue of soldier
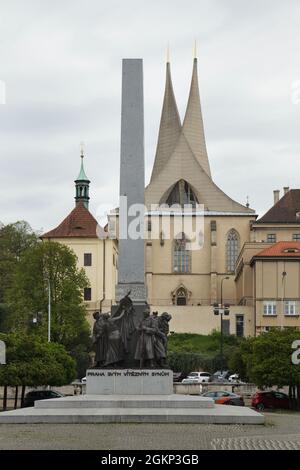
column 99, row 339
column 144, row 352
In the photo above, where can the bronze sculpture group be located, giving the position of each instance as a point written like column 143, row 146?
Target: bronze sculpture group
column 112, row 335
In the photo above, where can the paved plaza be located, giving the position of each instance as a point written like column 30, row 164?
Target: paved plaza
column 281, row 431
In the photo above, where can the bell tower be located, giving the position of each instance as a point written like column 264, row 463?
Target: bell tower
column 82, row 184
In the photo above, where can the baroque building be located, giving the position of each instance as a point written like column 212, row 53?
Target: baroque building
column 96, row 253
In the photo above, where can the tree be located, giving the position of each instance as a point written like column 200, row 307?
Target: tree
column 31, row 361
column 241, row 359
column 191, row 351
column 14, row 240
column 266, row 361
column 41, row 265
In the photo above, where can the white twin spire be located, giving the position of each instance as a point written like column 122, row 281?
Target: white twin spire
column 171, row 129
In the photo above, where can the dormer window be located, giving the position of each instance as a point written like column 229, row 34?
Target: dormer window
column 182, row 194
column 291, row 250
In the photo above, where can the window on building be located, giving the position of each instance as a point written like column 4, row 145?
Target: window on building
column 270, row 307
column 149, row 225
column 181, row 296
column 87, row 294
column 87, row 259
column 239, row 321
column 182, row 194
column 266, row 329
column 271, row 238
column 290, row 307
column 181, row 255
column 232, row 250
column 296, row 237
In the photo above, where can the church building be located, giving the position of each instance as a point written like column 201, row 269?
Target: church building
column 231, row 258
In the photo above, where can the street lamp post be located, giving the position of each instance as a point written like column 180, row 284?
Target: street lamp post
column 224, row 279
column 49, row 311
column 220, row 309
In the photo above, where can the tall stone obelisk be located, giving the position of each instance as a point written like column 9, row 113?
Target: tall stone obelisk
column 131, row 275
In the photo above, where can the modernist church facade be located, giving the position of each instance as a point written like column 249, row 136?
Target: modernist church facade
column 186, row 282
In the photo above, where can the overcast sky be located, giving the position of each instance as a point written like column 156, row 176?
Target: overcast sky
column 61, row 63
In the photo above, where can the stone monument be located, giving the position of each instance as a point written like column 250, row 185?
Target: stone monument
column 131, row 273
column 131, row 337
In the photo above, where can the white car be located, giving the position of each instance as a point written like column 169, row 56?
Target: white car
column 234, row 378
column 197, row 378
column 83, row 380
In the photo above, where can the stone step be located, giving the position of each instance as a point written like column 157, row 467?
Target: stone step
column 127, row 401
column 220, row 414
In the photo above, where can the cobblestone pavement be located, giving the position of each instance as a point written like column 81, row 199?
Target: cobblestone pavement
column 281, row 431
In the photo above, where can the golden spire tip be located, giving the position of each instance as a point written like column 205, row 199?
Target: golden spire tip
column 195, row 49
column 168, row 53
column 82, row 149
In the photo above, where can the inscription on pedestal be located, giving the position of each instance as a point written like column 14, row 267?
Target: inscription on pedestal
column 129, row 382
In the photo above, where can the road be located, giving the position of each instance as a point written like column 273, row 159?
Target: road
column 281, row 431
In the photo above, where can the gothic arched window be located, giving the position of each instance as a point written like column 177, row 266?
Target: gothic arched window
column 181, row 296
column 232, row 249
column 182, row 194
column 181, row 255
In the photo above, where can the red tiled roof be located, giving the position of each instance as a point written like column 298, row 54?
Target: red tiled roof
column 285, row 210
column 79, row 223
column 280, row 249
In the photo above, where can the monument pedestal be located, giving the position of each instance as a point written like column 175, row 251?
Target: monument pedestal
column 132, row 409
column 129, row 382
column 138, row 292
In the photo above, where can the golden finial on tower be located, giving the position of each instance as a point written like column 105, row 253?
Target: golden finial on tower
column 195, row 49
column 168, row 52
column 82, row 149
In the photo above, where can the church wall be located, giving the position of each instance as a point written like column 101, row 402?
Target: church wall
column 164, row 285
column 206, row 261
column 201, row 320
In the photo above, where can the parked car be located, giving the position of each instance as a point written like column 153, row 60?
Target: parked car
column 178, row 376
column 220, row 376
column 219, row 379
column 222, row 397
column 271, row 399
column 36, row 395
column 234, row 378
column 83, row 380
column 223, row 373
column 197, row 378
